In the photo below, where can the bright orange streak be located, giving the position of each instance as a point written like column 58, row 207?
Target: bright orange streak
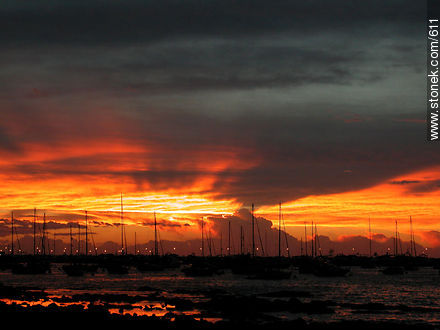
column 347, row 213
column 67, row 177
column 70, row 185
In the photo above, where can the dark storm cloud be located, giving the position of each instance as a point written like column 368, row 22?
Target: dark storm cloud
column 172, row 76
column 404, row 182
column 291, row 156
column 427, row 186
column 134, row 47
column 98, row 22
column 7, row 143
column 23, row 226
column 207, row 66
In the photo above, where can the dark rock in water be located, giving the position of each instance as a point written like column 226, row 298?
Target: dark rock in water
column 246, row 306
column 321, row 268
column 313, row 307
column 325, row 269
column 251, row 306
column 146, row 288
column 286, row 294
column 73, row 270
column 116, row 269
column 368, row 264
column 271, row 274
column 149, row 267
column 393, row 270
column 31, row 268
column 411, row 267
column 199, row 270
column 373, row 306
column 370, row 307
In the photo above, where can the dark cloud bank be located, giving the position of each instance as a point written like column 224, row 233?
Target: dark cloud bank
column 319, row 96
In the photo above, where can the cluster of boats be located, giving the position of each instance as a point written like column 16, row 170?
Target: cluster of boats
column 264, row 268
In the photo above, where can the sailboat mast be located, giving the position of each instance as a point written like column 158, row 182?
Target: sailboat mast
column 79, row 238
column 305, row 238
column 156, row 250
column 285, row 236
column 259, row 237
column 413, row 239
column 87, row 237
column 203, row 241
column 412, row 243
column 317, row 245
column 209, row 242
column 71, row 238
column 35, row 223
column 253, row 232
column 122, row 226
column 229, row 237
column 313, row 243
column 43, row 242
column 12, row 232
column 279, row 231
column 369, row 233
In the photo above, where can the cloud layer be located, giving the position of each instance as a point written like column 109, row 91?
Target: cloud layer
column 228, row 102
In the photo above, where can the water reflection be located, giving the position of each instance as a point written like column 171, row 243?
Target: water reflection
column 364, row 295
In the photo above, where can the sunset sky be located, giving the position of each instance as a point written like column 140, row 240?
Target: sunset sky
column 196, row 109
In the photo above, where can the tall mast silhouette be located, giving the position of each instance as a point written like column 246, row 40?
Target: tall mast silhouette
column 135, row 247
column 369, row 233
column 279, row 231
column 259, row 236
column 43, row 240
column 156, row 250
column 79, row 238
column 35, row 224
column 203, row 241
column 12, row 232
column 317, row 245
column 87, row 237
column 210, row 242
column 122, row 226
column 71, row 238
column 229, row 238
column 413, row 242
column 94, row 246
column 253, row 232
column 305, row 238
column 285, row 236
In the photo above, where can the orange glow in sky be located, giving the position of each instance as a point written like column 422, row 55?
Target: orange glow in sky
column 98, row 191
column 348, row 213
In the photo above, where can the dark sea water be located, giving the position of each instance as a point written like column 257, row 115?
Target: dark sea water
column 418, row 291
